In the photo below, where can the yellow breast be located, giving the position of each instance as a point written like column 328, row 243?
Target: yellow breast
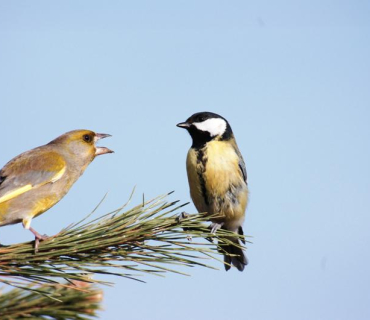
column 222, row 167
column 216, row 181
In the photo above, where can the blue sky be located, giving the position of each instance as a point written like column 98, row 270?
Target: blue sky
column 293, row 81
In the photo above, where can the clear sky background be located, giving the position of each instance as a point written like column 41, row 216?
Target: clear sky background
column 292, row 78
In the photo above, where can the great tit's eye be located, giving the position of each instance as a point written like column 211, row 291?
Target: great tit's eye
column 87, row 138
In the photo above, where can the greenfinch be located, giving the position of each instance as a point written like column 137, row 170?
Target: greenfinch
column 36, row 180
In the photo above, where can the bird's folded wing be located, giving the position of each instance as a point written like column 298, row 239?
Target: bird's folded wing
column 243, row 169
column 30, row 170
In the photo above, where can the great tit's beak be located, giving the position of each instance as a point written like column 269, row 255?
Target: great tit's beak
column 102, row 150
column 183, row 125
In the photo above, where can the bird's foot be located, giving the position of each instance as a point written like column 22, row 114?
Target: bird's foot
column 183, row 215
column 38, row 238
column 215, row 226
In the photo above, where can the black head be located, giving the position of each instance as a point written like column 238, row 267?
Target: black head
column 206, row 126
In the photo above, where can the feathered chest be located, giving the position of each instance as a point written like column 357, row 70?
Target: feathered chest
column 214, row 173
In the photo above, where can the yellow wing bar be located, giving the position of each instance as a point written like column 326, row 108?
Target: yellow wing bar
column 15, row 193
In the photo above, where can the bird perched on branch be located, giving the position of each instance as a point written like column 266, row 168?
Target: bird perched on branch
column 218, row 179
column 37, row 179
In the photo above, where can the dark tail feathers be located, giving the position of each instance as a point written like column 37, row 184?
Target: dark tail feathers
column 235, row 254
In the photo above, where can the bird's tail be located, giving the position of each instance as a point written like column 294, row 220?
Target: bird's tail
column 234, row 254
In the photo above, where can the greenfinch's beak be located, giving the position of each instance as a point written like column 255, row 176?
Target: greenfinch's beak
column 183, row 125
column 102, row 150
column 99, row 136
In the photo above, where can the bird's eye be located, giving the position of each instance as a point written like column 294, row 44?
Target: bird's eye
column 87, row 138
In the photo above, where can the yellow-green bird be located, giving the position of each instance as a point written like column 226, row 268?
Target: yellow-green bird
column 36, row 180
column 218, row 178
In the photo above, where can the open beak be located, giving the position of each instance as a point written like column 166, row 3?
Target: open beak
column 99, row 136
column 102, row 150
column 183, row 125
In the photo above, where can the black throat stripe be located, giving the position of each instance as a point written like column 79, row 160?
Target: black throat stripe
column 202, row 162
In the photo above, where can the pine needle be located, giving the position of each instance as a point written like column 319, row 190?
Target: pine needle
column 80, row 302
column 147, row 239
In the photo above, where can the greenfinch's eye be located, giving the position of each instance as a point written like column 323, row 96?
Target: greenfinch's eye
column 87, row 138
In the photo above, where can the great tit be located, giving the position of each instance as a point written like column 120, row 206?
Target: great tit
column 218, row 178
column 36, row 180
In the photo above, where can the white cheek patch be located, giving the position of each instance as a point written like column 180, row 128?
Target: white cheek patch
column 215, row 126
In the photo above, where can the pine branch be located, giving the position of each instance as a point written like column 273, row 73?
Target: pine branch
column 148, row 238
column 79, row 303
